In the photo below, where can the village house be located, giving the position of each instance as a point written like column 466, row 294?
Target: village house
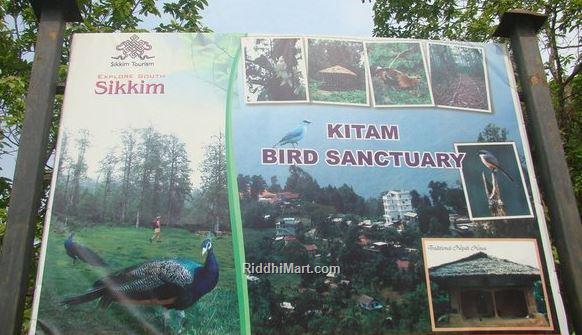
column 402, row 264
column 287, row 306
column 488, row 291
column 338, row 78
column 311, row 249
column 397, row 203
column 368, row 303
column 286, row 227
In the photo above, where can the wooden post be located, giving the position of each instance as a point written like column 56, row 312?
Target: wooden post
column 521, row 27
column 17, row 248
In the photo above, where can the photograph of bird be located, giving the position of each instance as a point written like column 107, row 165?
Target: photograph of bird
column 83, row 253
column 295, row 135
column 174, row 284
column 492, row 163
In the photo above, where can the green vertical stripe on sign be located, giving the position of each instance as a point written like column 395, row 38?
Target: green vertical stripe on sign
column 234, row 204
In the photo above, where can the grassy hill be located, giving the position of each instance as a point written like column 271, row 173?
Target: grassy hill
column 215, row 313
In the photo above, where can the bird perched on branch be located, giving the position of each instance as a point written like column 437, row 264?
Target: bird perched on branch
column 492, row 163
column 295, row 135
column 175, row 283
column 83, row 253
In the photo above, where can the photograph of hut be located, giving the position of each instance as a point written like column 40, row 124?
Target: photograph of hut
column 399, row 75
column 479, row 284
column 493, row 181
column 459, row 77
column 337, row 71
column 274, row 70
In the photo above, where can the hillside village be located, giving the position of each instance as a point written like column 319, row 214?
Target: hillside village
column 375, row 242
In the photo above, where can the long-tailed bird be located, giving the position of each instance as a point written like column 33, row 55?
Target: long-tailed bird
column 295, row 135
column 83, row 253
column 175, row 283
column 492, row 163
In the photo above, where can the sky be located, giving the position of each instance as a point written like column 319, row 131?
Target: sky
column 321, row 17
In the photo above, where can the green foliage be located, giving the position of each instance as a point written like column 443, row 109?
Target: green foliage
column 405, row 58
column 476, row 20
column 492, row 133
column 215, row 313
column 352, row 96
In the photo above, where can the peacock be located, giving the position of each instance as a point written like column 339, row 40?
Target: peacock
column 175, row 283
column 78, row 251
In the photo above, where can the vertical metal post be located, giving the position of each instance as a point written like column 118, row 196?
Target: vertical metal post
column 17, row 248
column 521, row 27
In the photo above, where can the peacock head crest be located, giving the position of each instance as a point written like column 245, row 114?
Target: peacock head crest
column 71, row 236
column 206, row 246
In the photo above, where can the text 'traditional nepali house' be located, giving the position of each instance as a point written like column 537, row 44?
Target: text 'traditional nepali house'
column 486, row 291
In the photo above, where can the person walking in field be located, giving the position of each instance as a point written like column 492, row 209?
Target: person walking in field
column 157, row 225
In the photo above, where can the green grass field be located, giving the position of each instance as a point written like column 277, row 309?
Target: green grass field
column 215, row 313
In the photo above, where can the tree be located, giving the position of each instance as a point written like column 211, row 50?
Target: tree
column 177, row 167
column 301, row 182
column 107, row 168
column 214, row 192
column 275, row 187
column 128, row 153
column 80, row 166
column 492, row 133
column 438, row 192
column 560, row 40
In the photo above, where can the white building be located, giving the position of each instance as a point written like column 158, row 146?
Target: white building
column 397, row 203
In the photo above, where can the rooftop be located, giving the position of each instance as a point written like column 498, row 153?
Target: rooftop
column 481, row 264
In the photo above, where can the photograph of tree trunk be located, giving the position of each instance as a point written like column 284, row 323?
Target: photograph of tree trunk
column 336, row 70
column 399, row 74
column 274, row 70
column 459, row 77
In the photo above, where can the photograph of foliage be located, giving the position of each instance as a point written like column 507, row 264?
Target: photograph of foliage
column 485, row 284
column 274, row 70
column 459, row 77
column 101, row 227
column 336, row 70
column 399, row 74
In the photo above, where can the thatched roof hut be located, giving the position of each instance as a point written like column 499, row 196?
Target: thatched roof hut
column 481, row 269
column 338, row 78
column 484, row 291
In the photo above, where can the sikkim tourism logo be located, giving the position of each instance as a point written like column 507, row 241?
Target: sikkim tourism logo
column 127, row 79
column 134, row 48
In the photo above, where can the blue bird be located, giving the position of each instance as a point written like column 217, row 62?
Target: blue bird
column 81, row 252
column 175, row 283
column 294, row 135
column 492, row 163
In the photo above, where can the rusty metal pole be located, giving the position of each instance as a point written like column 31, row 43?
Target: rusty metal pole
column 521, row 27
column 17, row 248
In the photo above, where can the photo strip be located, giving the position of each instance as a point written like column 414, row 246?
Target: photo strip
column 459, row 77
column 493, row 181
column 337, row 72
column 275, row 70
column 398, row 74
column 485, row 284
